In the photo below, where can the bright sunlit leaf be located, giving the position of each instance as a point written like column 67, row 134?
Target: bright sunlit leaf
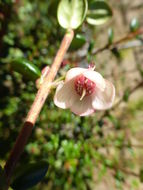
column 71, row 13
column 110, row 35
column 99, row 12
column 134, row 25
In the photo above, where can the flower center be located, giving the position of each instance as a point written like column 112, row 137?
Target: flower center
column 84, row 86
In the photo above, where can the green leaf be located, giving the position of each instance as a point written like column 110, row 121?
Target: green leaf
column 91, row 46
column 99, row 12
column 119, row 175
column 141, row 175
column 77, row 42
column 26, row 68
column 71, row 13
column 116, row 53
column 134, row 25
column 110, row 36
column 126, row 95
column 30, row 175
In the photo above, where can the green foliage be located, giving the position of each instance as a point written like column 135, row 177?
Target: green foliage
column 126, row 95
column 110, row 36
column 78, row 151
column 99, row 12
column 141, row 175
column 29, row 175
column 78, row 41
column 26, row 68
column 71, row 13
column 134, row 25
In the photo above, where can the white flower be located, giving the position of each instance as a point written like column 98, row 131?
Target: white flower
column 84, row 91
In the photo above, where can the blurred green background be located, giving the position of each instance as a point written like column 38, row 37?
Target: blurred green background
column 103, row 151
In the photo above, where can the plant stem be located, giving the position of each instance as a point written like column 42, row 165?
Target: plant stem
column 131, row 91
column 115, row 45
column 128, row 37
column 36, row 107
column 126, row 171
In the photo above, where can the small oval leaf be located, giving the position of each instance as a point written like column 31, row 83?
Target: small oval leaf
column 71, row 13
column 99, row 12
column 126, row 95
column 26, row 68
column 30, row 175
column 134, row 25
column 110, row 36
column 78, row 41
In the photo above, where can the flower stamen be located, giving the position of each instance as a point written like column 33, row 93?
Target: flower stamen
column 84, row 86
column 83, row 94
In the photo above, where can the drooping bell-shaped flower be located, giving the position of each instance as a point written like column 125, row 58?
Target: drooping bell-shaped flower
column 84, row 91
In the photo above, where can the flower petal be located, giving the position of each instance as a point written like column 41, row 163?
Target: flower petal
column 95, row 77
column 83, row 107
column 74, row 72
column 65, row 94
column 102, row 100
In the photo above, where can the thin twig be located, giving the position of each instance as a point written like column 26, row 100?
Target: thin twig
column 128, row 37
column 115, row 45
column 131, row 91
column 129, row 172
